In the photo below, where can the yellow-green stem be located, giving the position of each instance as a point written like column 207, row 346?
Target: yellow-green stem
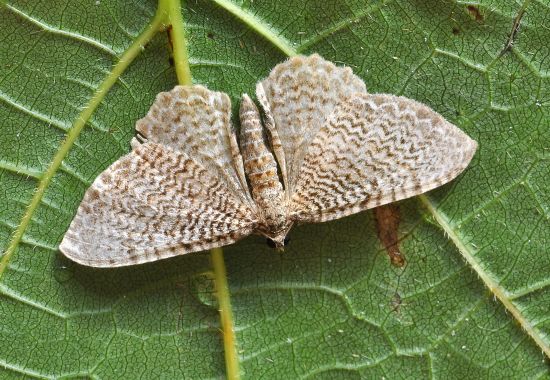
column 181, row 63
column 125, row 60
column 179, row 40
column 226, row 315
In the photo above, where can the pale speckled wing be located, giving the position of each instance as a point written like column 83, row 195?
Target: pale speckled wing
column 297, row 97
column 373, row 150
column 197, row 121
column 151, row 204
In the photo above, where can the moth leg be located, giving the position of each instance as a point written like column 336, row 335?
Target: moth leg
column 137, row 140
column 387, row 223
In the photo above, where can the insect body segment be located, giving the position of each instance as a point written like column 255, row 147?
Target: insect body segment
column 261, row 170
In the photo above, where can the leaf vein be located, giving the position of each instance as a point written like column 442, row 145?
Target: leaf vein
column 258, row 25
column 24, row 371
column 7, row 292
column 19, row 170
column 339, row 26
column 495, row 288
column 50, row 29
column 49, row 120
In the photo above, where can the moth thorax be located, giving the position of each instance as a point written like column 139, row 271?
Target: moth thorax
column 273, row 213
column 259, row 163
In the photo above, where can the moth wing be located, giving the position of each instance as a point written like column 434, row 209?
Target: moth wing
column 376, row 149
column 197, row 121
column 298, row 96
column 151, row 204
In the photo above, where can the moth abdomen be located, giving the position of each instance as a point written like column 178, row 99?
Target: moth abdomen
column 259, row 163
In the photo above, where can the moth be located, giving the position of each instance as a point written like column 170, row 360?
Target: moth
column 322, row 148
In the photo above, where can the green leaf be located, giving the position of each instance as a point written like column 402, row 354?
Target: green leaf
column 472, row 301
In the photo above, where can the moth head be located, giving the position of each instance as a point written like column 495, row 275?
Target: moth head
column 276, row 235
column 278, row 244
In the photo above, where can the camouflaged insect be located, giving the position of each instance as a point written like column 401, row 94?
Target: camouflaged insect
column 188, row 186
